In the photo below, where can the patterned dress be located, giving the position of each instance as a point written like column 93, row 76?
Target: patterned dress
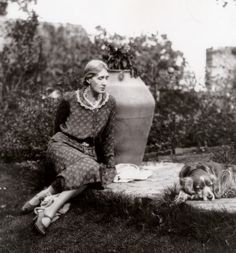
column 82, row 148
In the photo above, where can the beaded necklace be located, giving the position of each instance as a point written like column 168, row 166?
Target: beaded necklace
column 92, row 104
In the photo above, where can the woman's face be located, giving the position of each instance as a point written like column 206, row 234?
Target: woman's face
column 99, row 82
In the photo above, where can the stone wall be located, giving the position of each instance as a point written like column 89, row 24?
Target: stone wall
column 221, row 70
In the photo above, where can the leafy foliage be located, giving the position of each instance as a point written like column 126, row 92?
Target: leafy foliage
column 66, row 50
column 22, row 4
column 188, row 118
column 26, row 127
column 20, row 58
column 149, row 56
column 116, row 50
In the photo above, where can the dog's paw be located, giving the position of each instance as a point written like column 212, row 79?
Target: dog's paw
column 208, row 194
column 182, row 197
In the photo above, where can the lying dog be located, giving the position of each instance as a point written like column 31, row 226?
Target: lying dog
column 205, row 181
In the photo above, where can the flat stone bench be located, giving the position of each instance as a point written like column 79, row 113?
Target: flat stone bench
column 165, row 175
column 225, row 204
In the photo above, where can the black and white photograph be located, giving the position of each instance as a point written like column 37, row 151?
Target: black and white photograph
column 117, row 126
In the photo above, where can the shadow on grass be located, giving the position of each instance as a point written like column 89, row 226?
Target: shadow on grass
column 108, row 222
column 213, row 228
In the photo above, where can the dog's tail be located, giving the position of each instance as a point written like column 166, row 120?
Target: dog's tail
column 225, row 184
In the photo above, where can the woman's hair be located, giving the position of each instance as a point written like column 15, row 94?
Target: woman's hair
column 92, row 68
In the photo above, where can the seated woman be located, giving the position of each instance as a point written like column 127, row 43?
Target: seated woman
column 84, row 118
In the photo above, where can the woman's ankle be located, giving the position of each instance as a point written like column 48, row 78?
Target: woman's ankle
column 51, row 190
column 41, row 195
column 48, row 191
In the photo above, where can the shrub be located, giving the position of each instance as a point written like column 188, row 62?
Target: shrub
column 185, row 119
column 20, row 59
column 26, row 127
column 65, row 51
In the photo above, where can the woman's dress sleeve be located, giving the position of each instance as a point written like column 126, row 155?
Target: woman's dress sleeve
column 62, row 113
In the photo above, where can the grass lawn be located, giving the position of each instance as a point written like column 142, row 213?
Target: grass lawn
column 98, row 223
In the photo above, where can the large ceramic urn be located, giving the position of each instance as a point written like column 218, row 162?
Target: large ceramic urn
column 135, row 110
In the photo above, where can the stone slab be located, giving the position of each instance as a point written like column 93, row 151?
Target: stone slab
column 225, row 204
column 165, row 175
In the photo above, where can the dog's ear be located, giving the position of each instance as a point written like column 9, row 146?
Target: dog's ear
column 184, row 171
column 212, row 178
column 201, row 166
column 187, row 184
column 205, row 167
column 202, row 181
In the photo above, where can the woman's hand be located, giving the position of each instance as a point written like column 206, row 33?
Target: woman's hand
column 107, row 174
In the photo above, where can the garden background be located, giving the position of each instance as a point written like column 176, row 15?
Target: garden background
column 39, row 58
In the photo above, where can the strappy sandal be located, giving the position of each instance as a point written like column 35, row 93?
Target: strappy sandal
column 40, row 227
column 28, row 207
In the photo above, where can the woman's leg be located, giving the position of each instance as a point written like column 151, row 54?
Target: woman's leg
column 45, row 217
column 55, row 187
column 74, row 170
column 63, row 197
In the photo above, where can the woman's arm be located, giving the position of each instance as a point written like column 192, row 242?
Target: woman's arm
column 62, row 113
column 108, row 141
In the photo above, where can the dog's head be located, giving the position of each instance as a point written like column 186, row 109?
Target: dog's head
column 197, row 180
